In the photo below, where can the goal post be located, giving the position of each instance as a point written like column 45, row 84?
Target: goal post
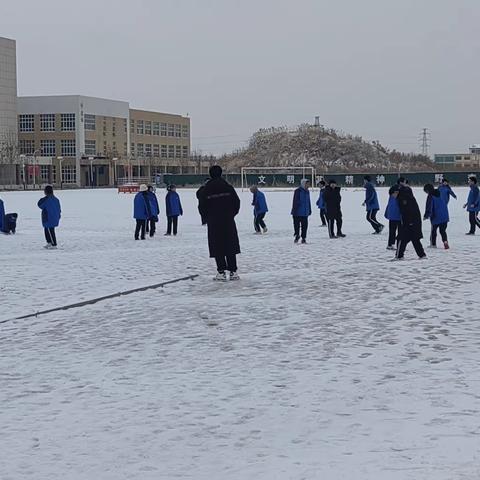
column 287, row 175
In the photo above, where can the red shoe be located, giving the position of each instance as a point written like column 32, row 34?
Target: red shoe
column 446, row 245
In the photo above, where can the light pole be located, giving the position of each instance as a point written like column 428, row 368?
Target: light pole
column 60, row 159
column 91, row 171
column 22, row 156
column 115, row 172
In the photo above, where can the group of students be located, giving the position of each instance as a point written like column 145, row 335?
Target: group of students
column 146, row 211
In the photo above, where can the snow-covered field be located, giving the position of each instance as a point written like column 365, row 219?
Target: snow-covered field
column 325, row 361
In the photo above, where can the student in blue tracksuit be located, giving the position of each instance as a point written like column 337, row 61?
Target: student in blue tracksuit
column 260, row 208
column 392, row 214
column 154, row 211
column 51, row 213
column 473, row 205
column 301, row 210
column 141, row 211
column 446, row 191
column 321, row 203
column 173, row 209
column 437, row 211
column 372, row 205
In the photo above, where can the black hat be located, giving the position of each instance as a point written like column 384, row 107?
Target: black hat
column 393, row 189
column 332, row 181
column 429, row 188
column 215, row 171
column 48, row 190
column 367, row 178
column 401, row 180
column 172, row 185
column 473, row 179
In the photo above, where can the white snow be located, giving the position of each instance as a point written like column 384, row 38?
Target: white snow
column 324, row 361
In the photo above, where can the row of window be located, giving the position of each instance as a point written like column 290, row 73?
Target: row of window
column 162, row 151
column 48, row 148
column 48, row 174
column 26, row 122
column 146, row 127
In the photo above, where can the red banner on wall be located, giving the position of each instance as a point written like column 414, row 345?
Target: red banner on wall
column 33, row 170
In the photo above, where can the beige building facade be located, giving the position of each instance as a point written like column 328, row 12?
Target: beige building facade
column 87, row 141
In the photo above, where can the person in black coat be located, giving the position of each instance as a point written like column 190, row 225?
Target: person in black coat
column 333, row 209
column 411, row 223
column 218, row 205
column 198, row 194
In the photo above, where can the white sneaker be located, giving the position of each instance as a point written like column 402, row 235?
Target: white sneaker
column 265, row 230
column 220, row 277
column 234, row 276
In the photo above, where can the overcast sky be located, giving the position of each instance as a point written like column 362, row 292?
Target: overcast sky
column 383, row 69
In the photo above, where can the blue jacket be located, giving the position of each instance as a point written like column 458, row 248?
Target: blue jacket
column 173, row 204
column 473, row 199
column 51, row 211
column 301, row 203
column 321, row 199
column 2, row 216
column 446, row 192
column 154, row 207
column 371, row 198
column 392, row 212
column 141, row 206
column 259, row 203
column 436, row 209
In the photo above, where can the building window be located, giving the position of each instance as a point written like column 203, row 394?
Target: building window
column 185, row 131
column 171, row 130
column 148, row 128
column 47, row 122
column 26, row 123
column 140, row 149
column 114, row 148
column 90, row 147
column 54, row 174
column 69, row 174
column 26, row 147
column 156, row 150
column 68, row 148
column 140, row 128
column 178, row 151
column 48, row 148
column 185, row 151
column 125, row 125
column 105, row 147
column 132, row 126
column 178, row 130
column 132, row 148
column 163, row 151
column 171, row 151
column 89, row 122
column 67, row 122
column 156, row 128
column 45, row 173
column 163, row 129
column 148, row 149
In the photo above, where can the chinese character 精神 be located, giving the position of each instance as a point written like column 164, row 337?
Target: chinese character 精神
column 380, row 179
column 349, row 179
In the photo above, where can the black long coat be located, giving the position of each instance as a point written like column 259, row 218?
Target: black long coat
column 218, row 205
column 333, row 200
column 411, row 226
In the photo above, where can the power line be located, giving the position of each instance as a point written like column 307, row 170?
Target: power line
column 424, row 141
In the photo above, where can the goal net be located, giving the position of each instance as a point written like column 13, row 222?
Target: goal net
column 277, row 177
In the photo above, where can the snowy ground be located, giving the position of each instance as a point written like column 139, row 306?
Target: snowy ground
column 325, row 361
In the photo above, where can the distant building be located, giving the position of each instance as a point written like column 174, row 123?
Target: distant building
column 88, row 141
column 459, row 160
column 8, row 110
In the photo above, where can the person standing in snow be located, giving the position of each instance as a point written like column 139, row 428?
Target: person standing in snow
column 51, row 213
column 321, row 203
column 392, row 214
column 446, row 191
column 173, row 209
column 333, row 208
column 2, row 216
column 301, row 210
column 411, row 224
column 141, row 211
column 218, row 205
column 154, row 211
column 260, row 208
column 371, row 204
column 436, row 210
column 473, row 205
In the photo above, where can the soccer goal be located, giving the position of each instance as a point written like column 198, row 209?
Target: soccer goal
column 277, row 176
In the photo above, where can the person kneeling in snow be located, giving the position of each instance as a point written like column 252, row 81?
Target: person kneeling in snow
column 437, row 211
column 218, row 205
column 51, row 213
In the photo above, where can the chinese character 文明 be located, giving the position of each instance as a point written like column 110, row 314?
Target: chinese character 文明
column 380, row 179
column 290, row 178
column 349, row 179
